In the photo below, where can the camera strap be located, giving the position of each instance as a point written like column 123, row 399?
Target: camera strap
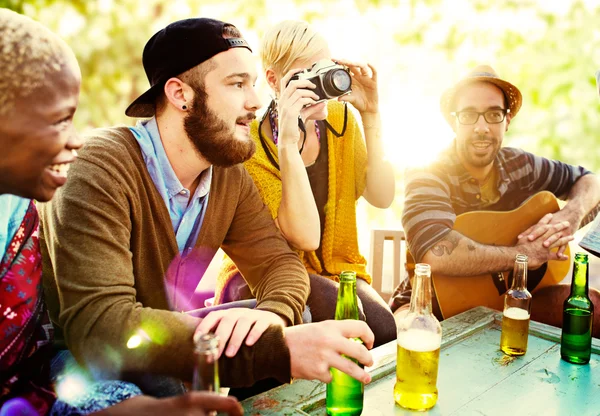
column 330, row 127
column 262, row 138
column 301, row 126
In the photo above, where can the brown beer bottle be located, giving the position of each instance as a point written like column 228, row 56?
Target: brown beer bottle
column 517, row 309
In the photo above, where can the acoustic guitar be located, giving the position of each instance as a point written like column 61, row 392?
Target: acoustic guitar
column 457, row 294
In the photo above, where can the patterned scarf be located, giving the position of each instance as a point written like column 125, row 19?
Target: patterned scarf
column 25, row 328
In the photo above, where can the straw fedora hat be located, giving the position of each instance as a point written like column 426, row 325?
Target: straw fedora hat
column 483, row 73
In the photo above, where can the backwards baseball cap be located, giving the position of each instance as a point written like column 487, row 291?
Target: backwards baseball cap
column 480, row 73
column 173, row 50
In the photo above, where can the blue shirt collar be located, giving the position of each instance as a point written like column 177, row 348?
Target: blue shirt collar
column 152, row 148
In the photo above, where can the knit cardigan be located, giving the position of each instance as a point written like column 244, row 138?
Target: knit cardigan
column 346, row 183
column 108, row 243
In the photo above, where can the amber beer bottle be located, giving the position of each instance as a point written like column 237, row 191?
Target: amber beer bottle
column 578, row 313
column 206, row 370
column 517, row 309
column 418, row 350
column 344, row 395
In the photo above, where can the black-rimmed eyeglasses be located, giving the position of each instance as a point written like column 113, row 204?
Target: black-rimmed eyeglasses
column 491, row 116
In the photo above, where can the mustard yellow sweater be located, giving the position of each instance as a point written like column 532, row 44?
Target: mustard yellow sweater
column 347, row 180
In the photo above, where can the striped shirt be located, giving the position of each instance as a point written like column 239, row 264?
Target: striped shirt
column 436, row 194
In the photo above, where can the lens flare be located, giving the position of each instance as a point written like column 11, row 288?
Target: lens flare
column 134, row 342
column 71, row 387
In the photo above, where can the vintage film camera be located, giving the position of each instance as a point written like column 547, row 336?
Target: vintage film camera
column 332, row 80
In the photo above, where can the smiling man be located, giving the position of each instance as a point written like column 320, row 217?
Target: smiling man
column 476, row 173
column 128, row 238
column 39, row 92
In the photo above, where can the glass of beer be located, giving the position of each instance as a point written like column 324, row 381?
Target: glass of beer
column 418, row 348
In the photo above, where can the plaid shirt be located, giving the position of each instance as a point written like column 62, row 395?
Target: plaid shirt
column 436, row 194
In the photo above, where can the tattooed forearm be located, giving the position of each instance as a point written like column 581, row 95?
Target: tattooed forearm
column 458, row 255
column 447, row 244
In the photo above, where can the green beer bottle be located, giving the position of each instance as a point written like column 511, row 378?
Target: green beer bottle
column 345, row 394
column 578, row 314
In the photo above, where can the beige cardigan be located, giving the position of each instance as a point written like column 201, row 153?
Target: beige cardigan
column 107, row 242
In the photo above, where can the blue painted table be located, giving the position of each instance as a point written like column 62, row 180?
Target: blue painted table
column 475, row 377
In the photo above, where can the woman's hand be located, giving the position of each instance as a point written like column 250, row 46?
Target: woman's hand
column 297, row 100
column 364, row 96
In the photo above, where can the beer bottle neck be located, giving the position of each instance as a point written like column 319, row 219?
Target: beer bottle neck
column 579, row 284
column 520, row 275
column 347, row 304
column 206, row 354
column 420, row 301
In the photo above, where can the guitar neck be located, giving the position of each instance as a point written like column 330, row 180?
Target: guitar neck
column 590, row 216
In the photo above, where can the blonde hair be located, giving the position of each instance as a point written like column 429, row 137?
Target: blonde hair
column 287, row 42
column 29, row 52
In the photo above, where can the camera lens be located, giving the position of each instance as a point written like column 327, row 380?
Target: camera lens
column 339, row 80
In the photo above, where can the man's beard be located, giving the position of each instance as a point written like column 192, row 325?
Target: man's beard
column 469, row 155
column 211, row 137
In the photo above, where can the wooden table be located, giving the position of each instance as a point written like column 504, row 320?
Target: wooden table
column 475, row 377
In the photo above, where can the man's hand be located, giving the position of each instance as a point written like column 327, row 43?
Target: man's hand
column 235, row 324
column 314, row 348
column 554, row 230
column 538, row 241
column 192, row 404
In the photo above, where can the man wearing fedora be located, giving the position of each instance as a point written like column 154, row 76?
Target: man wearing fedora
column 476, row 173
column 127, row 240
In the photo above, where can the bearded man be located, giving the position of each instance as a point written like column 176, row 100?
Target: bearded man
column 128, row 238
column 478, row 173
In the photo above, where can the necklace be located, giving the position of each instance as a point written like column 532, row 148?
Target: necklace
column 275, row 129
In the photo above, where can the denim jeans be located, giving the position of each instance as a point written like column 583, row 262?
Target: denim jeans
column 79, row 394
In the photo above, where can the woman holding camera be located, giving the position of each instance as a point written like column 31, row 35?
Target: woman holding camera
column 311, row 166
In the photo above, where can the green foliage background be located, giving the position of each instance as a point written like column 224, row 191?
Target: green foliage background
column 551, row 54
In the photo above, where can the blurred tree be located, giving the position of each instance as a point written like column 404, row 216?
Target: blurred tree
column 551, row 54
column 550, row 50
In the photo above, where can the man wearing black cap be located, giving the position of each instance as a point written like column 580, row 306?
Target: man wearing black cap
column 127, row 240
column 476, row 173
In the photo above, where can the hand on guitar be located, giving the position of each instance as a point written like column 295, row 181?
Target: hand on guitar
column 539, row 239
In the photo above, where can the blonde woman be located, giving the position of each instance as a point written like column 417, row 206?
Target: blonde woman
column 311, row 172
